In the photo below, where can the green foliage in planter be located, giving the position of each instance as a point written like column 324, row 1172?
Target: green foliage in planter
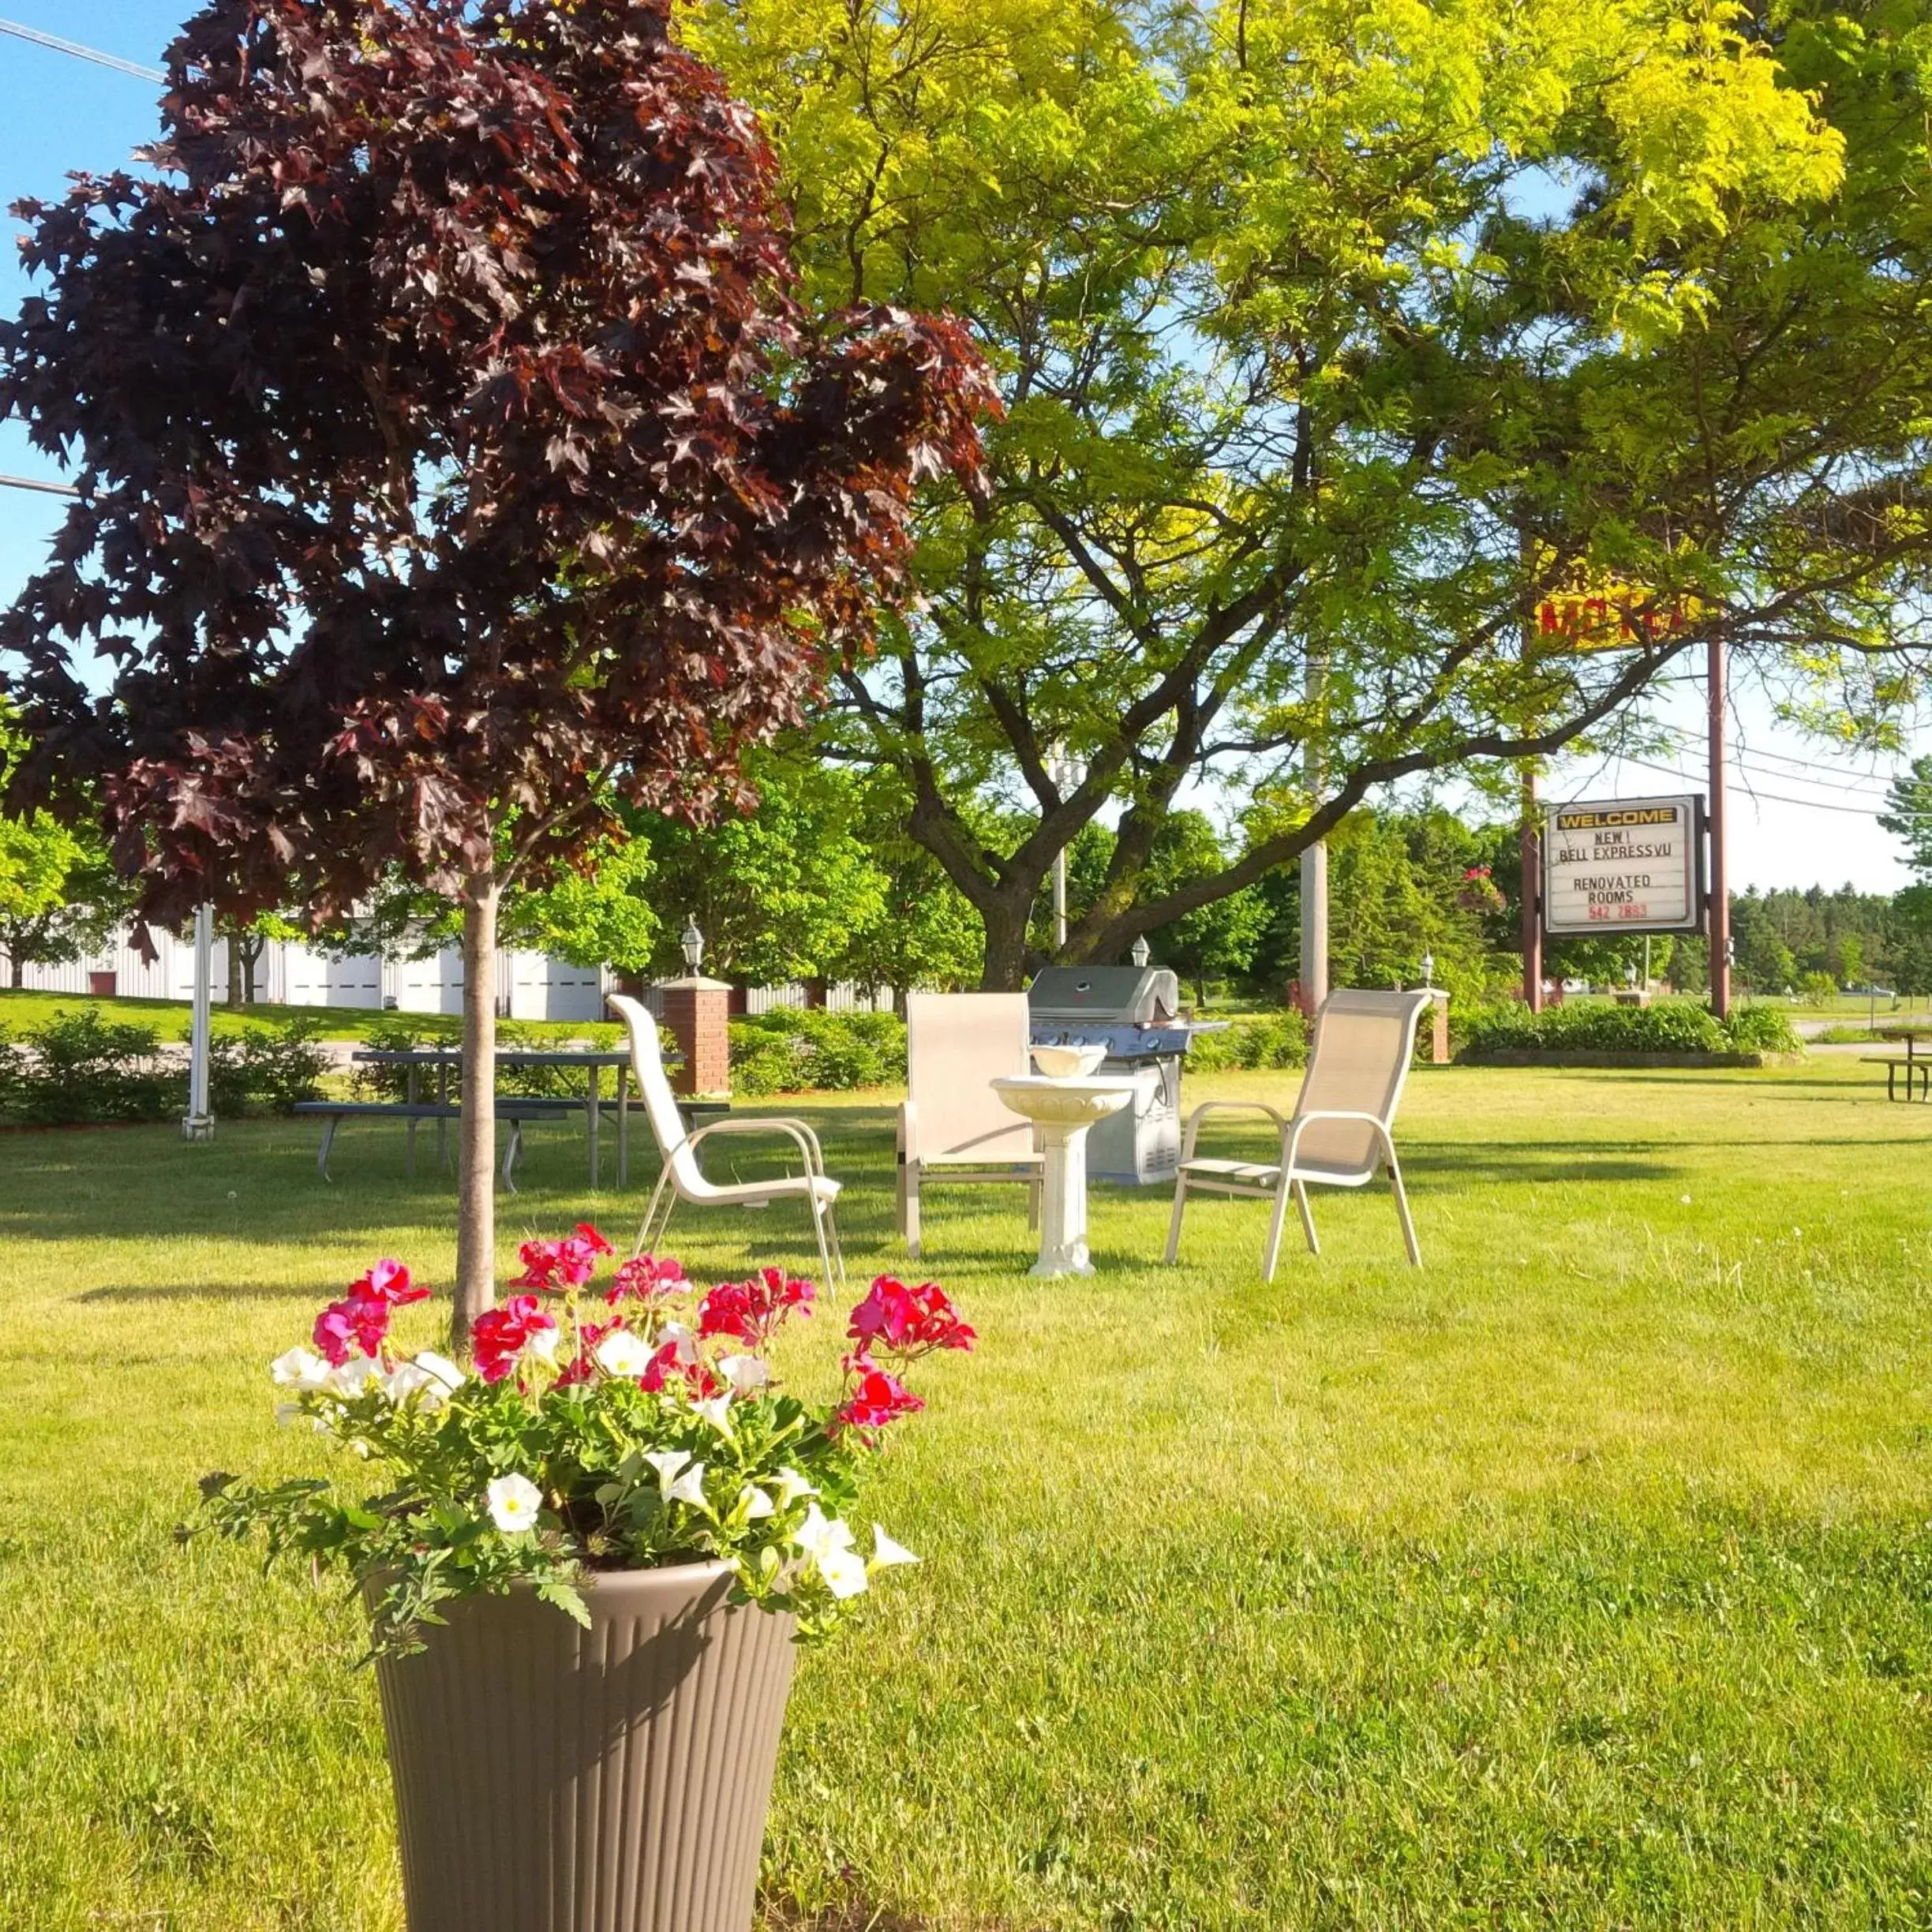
column 1273, row 1040
column 270, row 1064
column 78, row 1068
column 1670, row 1026
column 793, row 1050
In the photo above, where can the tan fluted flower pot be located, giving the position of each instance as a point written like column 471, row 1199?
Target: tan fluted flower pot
column 550, row 1778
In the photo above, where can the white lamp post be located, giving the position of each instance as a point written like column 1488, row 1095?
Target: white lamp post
column 691, row 942
column 1142, row 952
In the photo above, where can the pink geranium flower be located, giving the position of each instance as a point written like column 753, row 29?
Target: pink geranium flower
column 908, row 1322
column 873, row 1398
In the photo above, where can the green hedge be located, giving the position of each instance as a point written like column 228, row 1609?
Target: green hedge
column 794, row 1050
column 1670, row 1026
column 1272, row 1040
column 80, row 1070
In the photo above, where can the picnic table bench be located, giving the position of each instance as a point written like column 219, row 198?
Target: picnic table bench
column 517, row 1109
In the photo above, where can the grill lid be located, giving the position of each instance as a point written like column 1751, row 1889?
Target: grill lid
column 1138, row 995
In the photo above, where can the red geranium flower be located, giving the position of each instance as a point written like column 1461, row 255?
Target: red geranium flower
column 668, row 1365
column 908, row 1322
column 499, row 1336
column 644, row 1278
column 874, row 1397
column 559, row 1265
column 753, row 1310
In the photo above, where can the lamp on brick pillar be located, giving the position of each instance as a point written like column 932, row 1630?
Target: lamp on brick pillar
column 697, row 1011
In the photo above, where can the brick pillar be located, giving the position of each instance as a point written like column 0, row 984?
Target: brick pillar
column 698, row 1014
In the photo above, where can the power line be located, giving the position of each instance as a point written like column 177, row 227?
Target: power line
column 1857, row 811
column 79, row 52
column 46, row 490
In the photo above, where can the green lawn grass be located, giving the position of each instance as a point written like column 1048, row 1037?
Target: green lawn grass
column 1582, row 1578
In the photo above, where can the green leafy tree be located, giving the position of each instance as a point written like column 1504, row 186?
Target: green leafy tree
column 60, row 898
column 1331, row 339
column 1908, row 815
column 779, row 891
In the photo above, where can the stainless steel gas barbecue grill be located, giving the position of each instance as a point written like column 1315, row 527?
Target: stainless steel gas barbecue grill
column 1132, row 1011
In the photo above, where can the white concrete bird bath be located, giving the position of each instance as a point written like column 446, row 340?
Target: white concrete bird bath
column 1061, row 1111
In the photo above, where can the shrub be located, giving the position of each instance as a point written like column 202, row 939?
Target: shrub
column 271, row 1063
column 1762, row 1029
column 1274, row 1040
column 1670, row 1026
column 791, row 1051
column 77, row 1068
column 398, row 1033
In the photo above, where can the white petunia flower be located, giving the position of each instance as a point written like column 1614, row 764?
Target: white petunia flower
column 757, row 1504
column 790, row 1485
column 623, row 1353
column 886, row 1553
column 844, row 1572
column 300, row 1369
column 513, row 1502
column 746, row 1373
column 715, row 1412
column 689, row 1488
column 288, row 1414
column 429, row 1377
column 667, row 1462
column 819, row 1535
column 352, row 1377
column 543, row 1345
column 680, row 1334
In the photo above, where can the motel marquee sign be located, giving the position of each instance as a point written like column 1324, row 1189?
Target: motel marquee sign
column 1629, row 865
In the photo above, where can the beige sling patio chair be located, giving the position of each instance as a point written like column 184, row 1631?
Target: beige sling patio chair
column 1341, row 1131
column 952, row 1124
column 680, row 1178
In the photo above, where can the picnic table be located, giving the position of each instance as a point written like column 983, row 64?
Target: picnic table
column 417, row 1060
column 1916, row 1066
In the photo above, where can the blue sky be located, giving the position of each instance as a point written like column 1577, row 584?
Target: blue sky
column 1801, row 814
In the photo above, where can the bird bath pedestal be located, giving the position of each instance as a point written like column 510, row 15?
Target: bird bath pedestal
column 1061, row 1111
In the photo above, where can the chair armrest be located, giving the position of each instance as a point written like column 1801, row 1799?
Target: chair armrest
column 1291, row 1136
column 794, row 1130
column 1225, row 1106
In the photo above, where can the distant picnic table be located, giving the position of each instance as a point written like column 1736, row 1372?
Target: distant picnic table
column 1916, row 1066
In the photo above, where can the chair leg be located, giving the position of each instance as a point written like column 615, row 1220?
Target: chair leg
column 1308, row 1216
column 825, row 1253
column 328, row 1143
column 838, row 1246
column 1278, row 1215
column 1402, row 1210
column 909, row 1206
column 1173, row 1220
column 651, row 1212
column 510, row 1152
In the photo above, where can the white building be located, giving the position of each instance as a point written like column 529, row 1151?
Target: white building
column 529, row 985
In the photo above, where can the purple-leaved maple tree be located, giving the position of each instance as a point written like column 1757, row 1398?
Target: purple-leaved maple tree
column 456, row 462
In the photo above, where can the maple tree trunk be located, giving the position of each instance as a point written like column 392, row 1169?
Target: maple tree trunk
column 476, row 1133
column 1005, row 966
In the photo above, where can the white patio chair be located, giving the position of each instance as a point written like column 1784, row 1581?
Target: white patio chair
column 1341, row 1132
column 680, row 1178
column 952, row 1124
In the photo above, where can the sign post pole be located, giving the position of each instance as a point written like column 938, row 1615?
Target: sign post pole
column 1315, row 858
column 1532, row 861
column 1720, row 923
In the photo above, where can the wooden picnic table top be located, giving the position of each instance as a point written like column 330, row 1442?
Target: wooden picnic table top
column 1906, row 1030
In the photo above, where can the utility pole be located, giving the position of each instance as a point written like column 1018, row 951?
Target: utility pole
column 1315, row 858
column 1719, row 921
